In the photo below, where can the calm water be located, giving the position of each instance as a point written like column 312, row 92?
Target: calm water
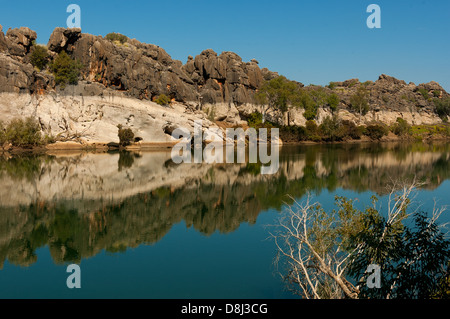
column 141, row 227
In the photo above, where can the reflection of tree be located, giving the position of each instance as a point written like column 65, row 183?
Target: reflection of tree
column 126, row 160
column 76, row 229
column 22, row 166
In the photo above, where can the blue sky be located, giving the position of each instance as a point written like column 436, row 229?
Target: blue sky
column 308, row 41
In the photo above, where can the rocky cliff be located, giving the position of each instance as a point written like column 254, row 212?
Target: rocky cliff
column 116, row 75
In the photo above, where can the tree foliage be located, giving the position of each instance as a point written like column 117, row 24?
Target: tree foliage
column 442, row 107
column 117, row 37
column 22, row 133
column 278, row 94
column 126, row 135
column 359, row 101
column 65, row 69
column 162, row 100
column 39, row 56
column 333, row 101
column 327, row 254
column 375, row 131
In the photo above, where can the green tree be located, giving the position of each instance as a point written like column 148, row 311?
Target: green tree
column 65, row 69
column 23, row 133
column 333, row 101
column 331, row 129
column 359, row 101
column 375, row 131
column 401, row 127
column 39, row 56
column 327, row 254
column 442, row 107
column 126, row 135
column 308, row 104
column 277, row 94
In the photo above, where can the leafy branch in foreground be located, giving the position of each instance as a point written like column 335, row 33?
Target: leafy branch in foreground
column 327, row 254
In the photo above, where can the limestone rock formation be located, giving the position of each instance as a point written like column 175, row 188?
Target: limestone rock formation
column 208, row 86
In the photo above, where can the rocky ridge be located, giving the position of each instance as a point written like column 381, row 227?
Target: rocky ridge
column 209, row 86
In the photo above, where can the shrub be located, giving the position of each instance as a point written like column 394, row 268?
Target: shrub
column 331, row 129
column 424, row 93
column 436, row 93
column 359, row 101
column 442, row 107
column 293, row 133
column 162, row 100
column 126, row 135
column 333, row 101
column 401, row 127
column 116, row 37
column 23, row 133
column 332, row 85
column 351, row 130
column 254, row 119
column 375, row 131
column 312, row 131
column 306, row 101
column 65, row 69
column 39, row 56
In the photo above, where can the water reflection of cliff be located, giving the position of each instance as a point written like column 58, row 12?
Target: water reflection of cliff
column 80, row 204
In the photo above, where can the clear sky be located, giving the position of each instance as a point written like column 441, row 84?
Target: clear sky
column 308, row 41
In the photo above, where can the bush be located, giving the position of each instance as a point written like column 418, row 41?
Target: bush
column 333, row 101
column 65, row 69
column 401, row 127
column 332, row 85
column 254, row 119
column 162, row 100
column 116, row 37
column 293, row 133
column 39, row 56
column 424, row 93
column 126, row 135
column 442, row 107
column 23, row 133
column 359, row 101
column 312, row 131
column 331, row 129
column 436, row 93
column 350, row 129
column 375, row 131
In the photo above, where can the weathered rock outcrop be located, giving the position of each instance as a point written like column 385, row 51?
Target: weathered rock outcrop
column 219, row 87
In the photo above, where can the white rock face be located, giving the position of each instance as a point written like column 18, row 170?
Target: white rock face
column 94, row 119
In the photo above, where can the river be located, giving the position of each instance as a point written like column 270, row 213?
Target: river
column 141, row 226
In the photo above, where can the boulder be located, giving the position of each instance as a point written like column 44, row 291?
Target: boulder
column 63, row 39
column 19, row 41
